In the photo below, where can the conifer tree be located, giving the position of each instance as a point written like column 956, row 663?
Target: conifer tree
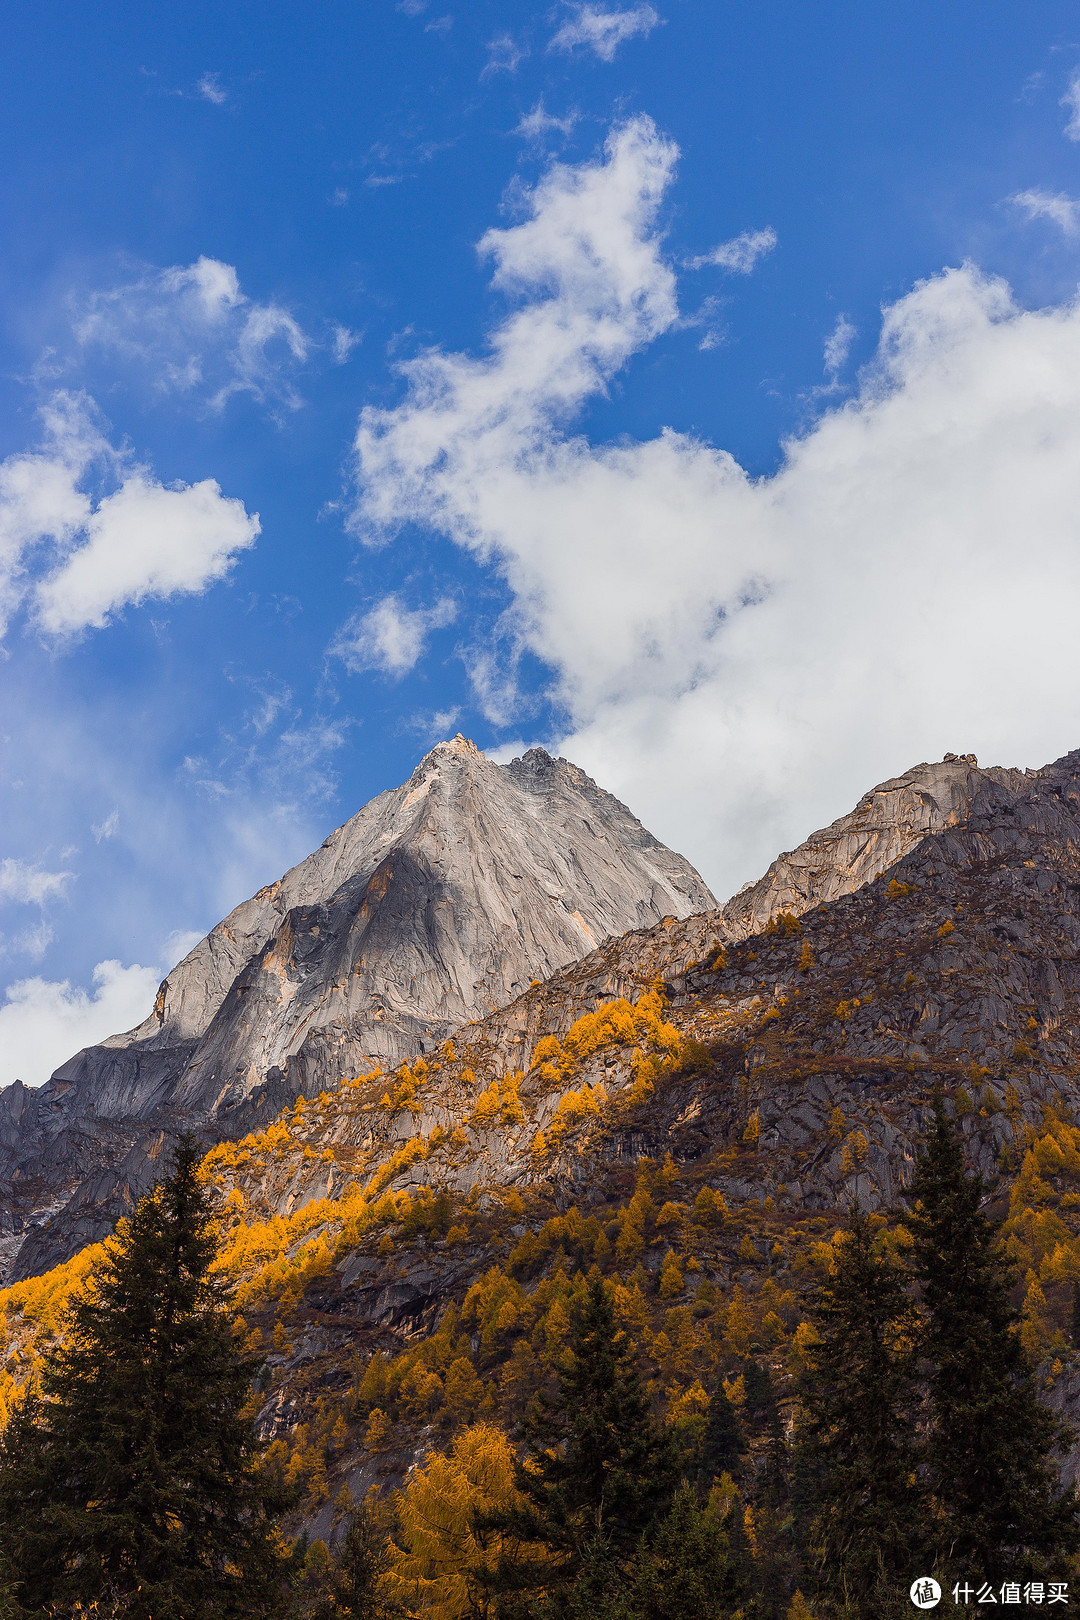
column 131, row 1476
column 856, row 1434
column 684, row 1569
column 722, row 1447
column 996, row 1498
column 759, row 1401
column 599, row 1467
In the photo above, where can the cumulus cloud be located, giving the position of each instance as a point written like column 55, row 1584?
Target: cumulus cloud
column 390, row 637
column 43, row 1022
column 30, row 885
column 603, row 31
column 1071, row 102
column 79, row 558
column 194, row 329
column 740, row 254
column 741, row 657
column 1053, row 205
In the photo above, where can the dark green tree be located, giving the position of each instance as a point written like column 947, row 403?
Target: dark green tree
column 599, row 1468
column 721, row 1447
column 684, row 1569
column 132, row 1475
column 759, row 1401
column 363, row 1561
column 856, row 1436
column 997, row 1503
column 1074, row 1318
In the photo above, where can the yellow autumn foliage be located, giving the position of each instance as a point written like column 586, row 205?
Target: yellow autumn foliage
column 438, row 1559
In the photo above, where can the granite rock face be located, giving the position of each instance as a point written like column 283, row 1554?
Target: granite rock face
column 807, row 1056
column 518, row 895
column 885, row 825
column 437, row 902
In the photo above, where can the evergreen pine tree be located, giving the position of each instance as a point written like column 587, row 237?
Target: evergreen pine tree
column 721, row 1448
column 759, row 1401
column 132, row 1475
column 685, row 1568
column 599, row 1467
column 856, row 1434
column 363, row 1561
column 1074, row 1319
column 996, row 1498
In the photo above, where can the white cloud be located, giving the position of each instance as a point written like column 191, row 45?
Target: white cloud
column 1071, row 101
column 210, row 90
column 178, row 944
column 740, row 254
column 504, row 55
column 79, row 560
column 740, row 658
column 1053, row 205
column 33, row 942
column 44, row 1022
column 197, row 332
column 539, row 123
column 29, row 885
column 603, row 31
column 390, row 636
column 344, row 343
column 838, row 344
column 107, row 828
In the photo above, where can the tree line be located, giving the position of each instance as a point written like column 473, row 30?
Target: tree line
column 915, row 1445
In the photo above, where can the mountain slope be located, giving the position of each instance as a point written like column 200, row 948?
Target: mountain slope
column 436, row 902
column 693, row 1129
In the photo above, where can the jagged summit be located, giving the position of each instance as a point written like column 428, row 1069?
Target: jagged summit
column 515, row 894
column 435, row 903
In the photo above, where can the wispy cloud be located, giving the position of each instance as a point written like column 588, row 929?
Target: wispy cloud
column 602, row 30
column 740, row 254
column 505, row 55
column 106, row 829
column 1071, row 102
column 539, row 123
column 195, row 331
column 1062, row 210
column 344, row 342
column 838, row 344
column 390, row 637
column 30, row 885
column 210, row 90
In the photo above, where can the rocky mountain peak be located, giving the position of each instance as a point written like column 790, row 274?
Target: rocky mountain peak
column 437, row 902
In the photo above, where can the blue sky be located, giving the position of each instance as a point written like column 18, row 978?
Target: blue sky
column 693, row 387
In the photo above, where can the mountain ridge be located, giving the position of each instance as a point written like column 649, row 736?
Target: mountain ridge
column 437, row 900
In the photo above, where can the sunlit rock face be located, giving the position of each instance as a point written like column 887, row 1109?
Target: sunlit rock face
column 438, row 902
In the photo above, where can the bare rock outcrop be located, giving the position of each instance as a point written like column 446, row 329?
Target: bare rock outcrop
column 437, row 902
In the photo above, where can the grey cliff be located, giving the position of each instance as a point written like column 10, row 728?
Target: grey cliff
column 438, row 902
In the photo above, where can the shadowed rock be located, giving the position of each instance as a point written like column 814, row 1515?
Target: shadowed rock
column 437, row 902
